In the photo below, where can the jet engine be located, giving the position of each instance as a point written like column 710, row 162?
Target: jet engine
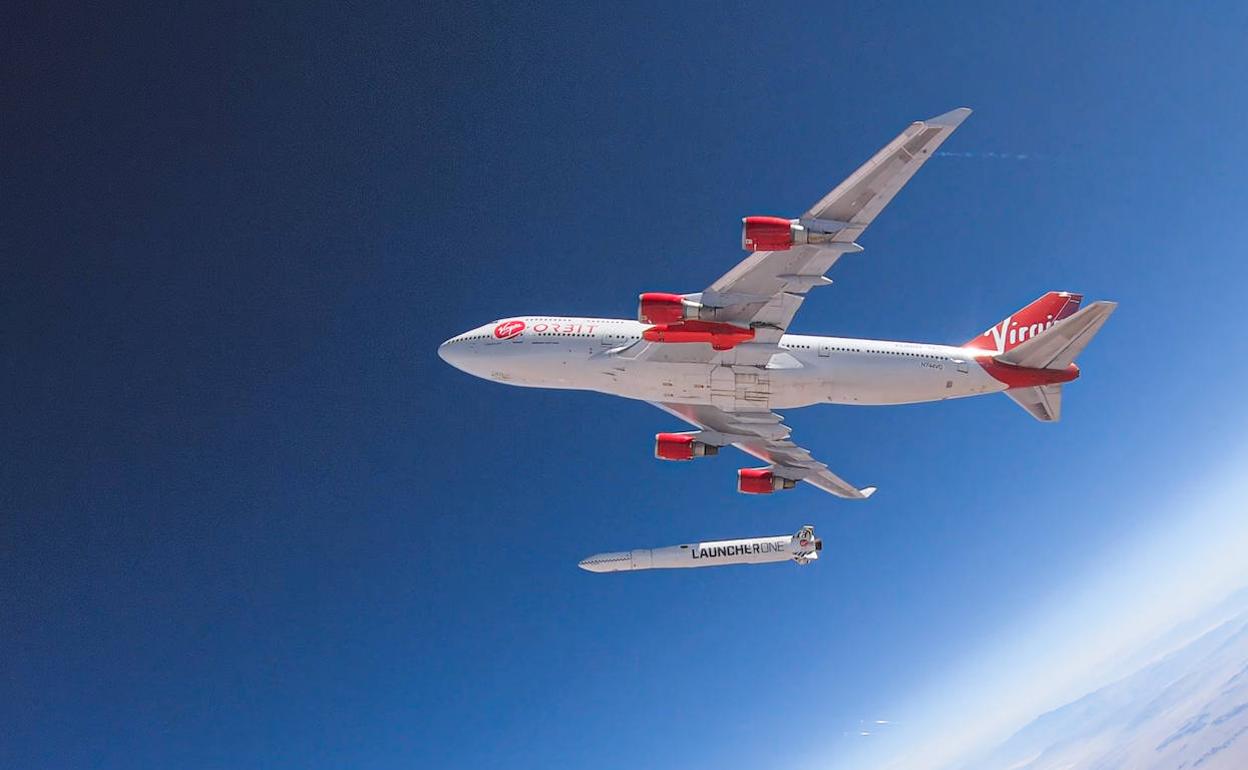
column 766, row 234
column 780, row 234
column 761, row 481
column 656, row 307
column 681, row 446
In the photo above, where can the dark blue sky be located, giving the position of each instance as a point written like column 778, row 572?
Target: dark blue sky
column 250, row 519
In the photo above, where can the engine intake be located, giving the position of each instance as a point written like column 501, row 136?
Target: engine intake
column 761, row 481
column 681, row 446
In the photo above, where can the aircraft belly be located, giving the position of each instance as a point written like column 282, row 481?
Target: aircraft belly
column 792, row 388
column 732, row 388
column 741, row 388
column 651, row 381
column 850, row 378
column 552, row 364
column 881, row 379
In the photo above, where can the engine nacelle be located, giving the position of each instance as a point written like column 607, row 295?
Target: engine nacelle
column 681, row 446
column 767, row 233
column 761, row 481
column 655, row 307
column 780, row 234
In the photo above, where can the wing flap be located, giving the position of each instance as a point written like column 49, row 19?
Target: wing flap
column 764, row 273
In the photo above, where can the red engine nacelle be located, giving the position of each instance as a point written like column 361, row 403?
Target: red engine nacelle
column 681, row 446
column 766, row 234
column 780, row 234
column 656, row 307
column 761, row 481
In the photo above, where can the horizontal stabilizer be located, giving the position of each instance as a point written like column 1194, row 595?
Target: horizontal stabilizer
column 1057, row 346
column 1043, row 402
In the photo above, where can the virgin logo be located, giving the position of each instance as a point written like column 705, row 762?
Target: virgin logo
column 508, row 329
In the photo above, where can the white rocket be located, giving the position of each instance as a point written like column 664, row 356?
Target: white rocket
column 801, row 547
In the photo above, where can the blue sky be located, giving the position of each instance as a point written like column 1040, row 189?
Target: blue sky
column 252, row 520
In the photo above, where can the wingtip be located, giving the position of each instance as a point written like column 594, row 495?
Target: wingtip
column 953, row 118
column 867, row 492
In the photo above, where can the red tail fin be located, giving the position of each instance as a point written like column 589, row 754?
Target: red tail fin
column 1028, row 322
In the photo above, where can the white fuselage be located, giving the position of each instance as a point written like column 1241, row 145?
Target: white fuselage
column 594, row 354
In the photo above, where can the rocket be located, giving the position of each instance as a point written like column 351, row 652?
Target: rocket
column 800, row 547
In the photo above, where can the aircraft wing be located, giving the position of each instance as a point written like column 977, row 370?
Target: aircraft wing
column 845, row 213
column 765, row 290
column 765, row 436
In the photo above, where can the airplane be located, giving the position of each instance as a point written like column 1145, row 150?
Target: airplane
column 722, row 359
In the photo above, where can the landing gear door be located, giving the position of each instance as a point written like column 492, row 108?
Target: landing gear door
column 723, row 388
column 741, row 388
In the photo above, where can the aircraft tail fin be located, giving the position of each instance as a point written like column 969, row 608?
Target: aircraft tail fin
column 1053, row 348
column 1028, row 322
column 1057, row 346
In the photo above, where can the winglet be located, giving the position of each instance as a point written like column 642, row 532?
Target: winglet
column 952, row 118
column 867, row 492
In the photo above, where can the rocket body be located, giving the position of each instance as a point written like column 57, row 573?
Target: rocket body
column 800, row 547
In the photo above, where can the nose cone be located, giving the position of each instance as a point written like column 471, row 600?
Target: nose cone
column 461, row 352
column 449, row 353
column 607, row 562
column 590, row 565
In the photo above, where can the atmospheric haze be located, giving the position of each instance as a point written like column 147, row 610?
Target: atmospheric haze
column 1140, row 663
column 1187, row 710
